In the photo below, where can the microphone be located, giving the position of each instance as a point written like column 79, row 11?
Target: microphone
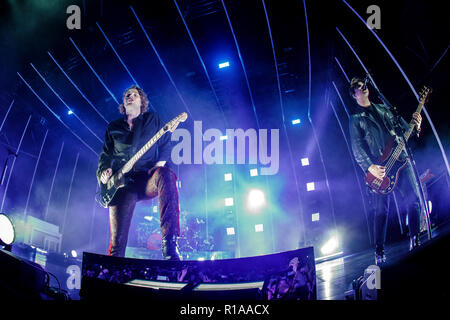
column 366, row 79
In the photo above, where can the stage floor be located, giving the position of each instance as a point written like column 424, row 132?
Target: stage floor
column 335, row 276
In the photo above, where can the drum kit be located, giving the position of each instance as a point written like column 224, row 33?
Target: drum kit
column 192, row 238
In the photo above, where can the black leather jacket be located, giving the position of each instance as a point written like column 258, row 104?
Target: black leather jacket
column 369, row 137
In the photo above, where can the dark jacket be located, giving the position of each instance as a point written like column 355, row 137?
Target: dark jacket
column 369, row 137
column 120, row 144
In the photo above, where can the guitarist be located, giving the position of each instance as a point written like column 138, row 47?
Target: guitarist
column 150, row 177
column 371, row 126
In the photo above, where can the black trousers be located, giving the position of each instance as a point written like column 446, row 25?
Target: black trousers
column 159, row 181
column 408, row 191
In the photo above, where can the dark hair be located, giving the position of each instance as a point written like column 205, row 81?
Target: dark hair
column 144, row 100
column 354, row 85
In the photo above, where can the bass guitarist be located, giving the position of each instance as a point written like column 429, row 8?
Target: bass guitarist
column 150, row 177
column 371, row 127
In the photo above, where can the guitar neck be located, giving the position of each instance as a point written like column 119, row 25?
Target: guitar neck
column 130, row 163
column 408, row 133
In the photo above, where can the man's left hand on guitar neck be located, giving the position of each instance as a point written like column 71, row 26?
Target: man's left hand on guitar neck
column 417, row 120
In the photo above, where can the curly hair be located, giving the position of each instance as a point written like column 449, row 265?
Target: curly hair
column 144, row 100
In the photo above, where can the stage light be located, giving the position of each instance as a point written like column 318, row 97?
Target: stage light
column 330, row 246
column 225, row 64
column 74, row 253
column 223, row 137
column 296, row 121
column 200, row 259
column 229, row 202
column 305, row 162
column 148, row 218
column 259, row 228
column 430, row 206
column 256, row 200
column 315, row 216
column 155, row 209
column 69, row 112
column 230, row 231
column 310, row 186
column 228, row 177
column 253, row 172
column 7, row 232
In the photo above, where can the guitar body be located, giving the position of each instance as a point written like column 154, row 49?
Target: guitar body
column 388, row 183
column 108, row 190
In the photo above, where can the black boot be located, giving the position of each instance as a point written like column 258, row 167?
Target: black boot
column 414, row 242
column 169, row 248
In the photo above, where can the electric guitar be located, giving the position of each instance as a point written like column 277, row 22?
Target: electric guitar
column 119, row 179
column 390, row 157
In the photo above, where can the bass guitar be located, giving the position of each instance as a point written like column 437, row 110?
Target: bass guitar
column 390, row 158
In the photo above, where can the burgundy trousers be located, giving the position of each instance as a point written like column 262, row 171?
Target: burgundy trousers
column 160, row 182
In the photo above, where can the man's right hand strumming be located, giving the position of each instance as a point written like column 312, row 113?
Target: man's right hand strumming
column 378, row 171
column 106, row 174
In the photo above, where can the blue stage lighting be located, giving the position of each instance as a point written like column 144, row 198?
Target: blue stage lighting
column 69, row 112
column 296, row 121
column 225, row 64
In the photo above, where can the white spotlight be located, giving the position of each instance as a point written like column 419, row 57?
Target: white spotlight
column 305, row 162
column 74, row 253
column 315, row 216
column 256, row 200
column 228, row 176
column 310, row 186
column 330, row 246
column 253, row 172
column 259, row 228
column 230, row 231
column 229, row 202
column 7, row 233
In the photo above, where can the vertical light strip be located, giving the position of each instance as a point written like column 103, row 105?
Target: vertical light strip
column 65, row 104
column 76, row 87
column 56, row 116
column 342, row 69
column 340, row 98
column 123, row 63
column 162, row 63
column 34, row 174
column 93, row 71
column 444, row 156
column 311, row 122
column 301, row 224
column 13, row 163
column 202, row 63
column 357, row 57
column 6, row 115
column 242, row 64
column 53, row 182
column 63, row 226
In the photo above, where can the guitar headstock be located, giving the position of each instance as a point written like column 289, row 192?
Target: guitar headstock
column 173, row 124
column 424, row 94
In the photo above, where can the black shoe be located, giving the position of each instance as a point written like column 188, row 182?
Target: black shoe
column 414, row 242
column 169, row 248
column 380, row 258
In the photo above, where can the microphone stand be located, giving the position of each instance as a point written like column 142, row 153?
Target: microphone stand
column 400, row 132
